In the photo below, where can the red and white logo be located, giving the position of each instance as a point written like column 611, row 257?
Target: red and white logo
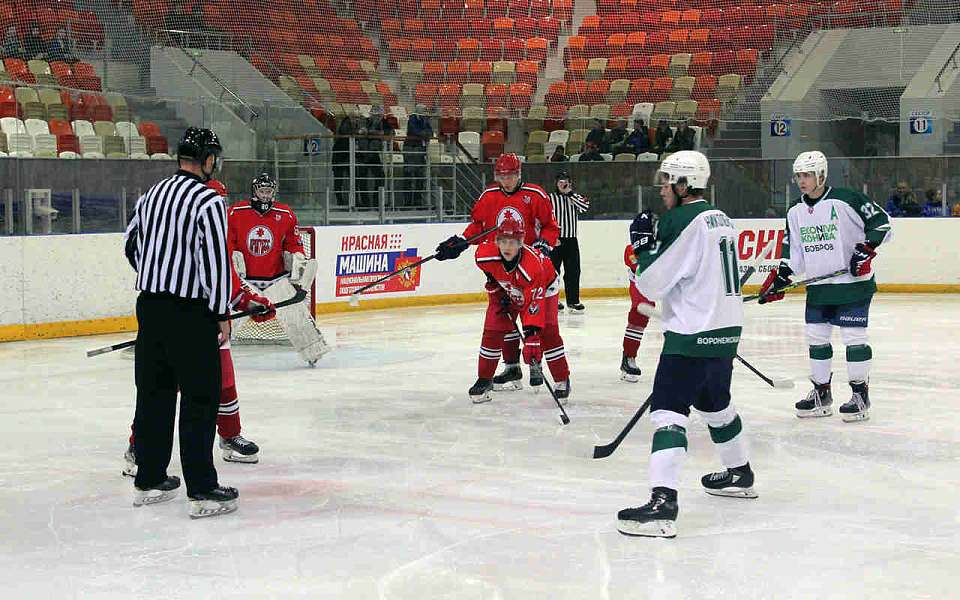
column 509, row 210
column 260, row 241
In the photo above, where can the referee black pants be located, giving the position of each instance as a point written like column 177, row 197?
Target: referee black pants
column 567, row 255
column 177, row 349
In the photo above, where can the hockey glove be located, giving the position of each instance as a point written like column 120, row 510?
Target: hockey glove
column 542, row 246
column 451, row 248
column 298, row 263
column 250, row 300
column 532, row 351
column 641, row 232
column 778, row 279
column 860, row 261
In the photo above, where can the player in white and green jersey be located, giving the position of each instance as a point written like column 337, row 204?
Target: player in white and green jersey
column 689, row 265
column 829, row 229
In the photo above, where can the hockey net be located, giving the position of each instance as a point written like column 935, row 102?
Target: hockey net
column 270, row 332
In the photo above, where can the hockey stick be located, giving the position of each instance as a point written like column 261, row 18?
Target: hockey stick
column 355, row 296
column 563, row 414
column 797, row 284
column 607, row 450
column 299, row 296
column 780, row 384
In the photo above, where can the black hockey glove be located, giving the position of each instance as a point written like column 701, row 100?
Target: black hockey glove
column 451, row 248
column 641, row 232
column 542, row 246
column 778, row 279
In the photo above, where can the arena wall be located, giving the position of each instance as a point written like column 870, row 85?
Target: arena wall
column 58, row 286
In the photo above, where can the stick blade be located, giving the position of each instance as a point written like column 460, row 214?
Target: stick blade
column 783, row 384
column 603, row 451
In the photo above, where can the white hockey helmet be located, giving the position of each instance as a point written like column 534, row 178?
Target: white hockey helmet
column 812, row 162
column 688, row 166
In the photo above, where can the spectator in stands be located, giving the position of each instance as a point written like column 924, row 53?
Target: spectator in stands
column 662, row 137
column 637, row 142
column 33, row 46
column 419, row 134
column 615, row 137
column 12, row 48
column 934, row 204
column 59, row 48
column 597, row 134
column 590, row 153
column 559, row 154
column 369, row 147
column 341, row 160
column 955, row 211
column 683, row 139
column 903, row 203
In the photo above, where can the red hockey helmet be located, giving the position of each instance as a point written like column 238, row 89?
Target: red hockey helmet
column 510, row 228
column 507, row 164
column 217, row 186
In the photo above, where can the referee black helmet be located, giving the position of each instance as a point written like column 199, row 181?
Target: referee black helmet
column 197, row 145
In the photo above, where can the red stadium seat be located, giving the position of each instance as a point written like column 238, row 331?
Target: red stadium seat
column 426, row 93
column 491, row 49
column 556, row 93
column 537, row 48
column 661, row 88
column 521, row 95
column 577, row 69
column 514, row 49
column 704, row 87
column 636, row 42
column 527, row 72
column 700, row 64
column 480, row 72
column 639, row 90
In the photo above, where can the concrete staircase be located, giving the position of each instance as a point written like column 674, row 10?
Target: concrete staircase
column 151, row 108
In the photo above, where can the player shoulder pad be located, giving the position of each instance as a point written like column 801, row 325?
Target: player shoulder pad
column 530, row 264
column 281, row 207
column 532, row 187
column 487, row 252
column 240, row 205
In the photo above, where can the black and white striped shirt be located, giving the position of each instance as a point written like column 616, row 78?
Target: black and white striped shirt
column 565, row 210
column 177, row 241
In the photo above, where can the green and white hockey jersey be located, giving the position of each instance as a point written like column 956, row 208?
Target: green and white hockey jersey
column 820, row 239
column 692, row 271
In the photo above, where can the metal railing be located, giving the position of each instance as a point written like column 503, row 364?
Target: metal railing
column 952, row 60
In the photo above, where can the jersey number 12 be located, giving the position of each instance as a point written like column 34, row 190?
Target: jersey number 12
column 731, row 272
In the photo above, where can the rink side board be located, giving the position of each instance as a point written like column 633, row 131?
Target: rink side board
column 73, row 285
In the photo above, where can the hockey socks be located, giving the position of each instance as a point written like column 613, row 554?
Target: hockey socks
column 490, row 345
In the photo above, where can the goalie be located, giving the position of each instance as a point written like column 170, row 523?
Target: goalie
column 268, row 254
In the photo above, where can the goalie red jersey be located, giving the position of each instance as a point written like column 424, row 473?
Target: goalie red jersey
column 262, row 238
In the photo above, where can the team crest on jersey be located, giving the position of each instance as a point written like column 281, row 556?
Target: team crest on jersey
column 260, row 241
column 526, row 199
column 509, row 210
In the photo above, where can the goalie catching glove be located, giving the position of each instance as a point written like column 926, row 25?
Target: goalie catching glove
column 247, row 299
column 778, row 279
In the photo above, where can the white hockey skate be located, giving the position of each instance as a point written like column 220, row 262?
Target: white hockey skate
column 239, row 449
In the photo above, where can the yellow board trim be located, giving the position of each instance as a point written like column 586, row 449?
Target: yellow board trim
column 61, row 329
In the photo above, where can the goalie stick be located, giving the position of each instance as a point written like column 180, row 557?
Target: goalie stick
column 355, row 296
column 299, row 296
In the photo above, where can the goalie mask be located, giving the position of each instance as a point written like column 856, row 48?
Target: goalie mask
column 263, row 190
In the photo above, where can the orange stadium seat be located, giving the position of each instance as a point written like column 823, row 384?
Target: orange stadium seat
column 590, row 25
column 704, row 87
column 426, row 93
column 620, row 111
column 434, row 72
column 503, row 27
column 527, row 72
column 562, row 9
column 449, row 95
column 498, row 118
column 746, row 65
column 496, row 94
column 597, row 91
column 617, row 67
column 577, row 69
column 661, row 88
column 577, row 92
column 458, row 71
column 658, row 65
column 701, row 63
column 639, row 90
column 556, row 93
column 690, row 18
column 699, row 39
column 521, row 96
column 450, row 121
column 422, row 49
column 616, row 44
column 413, row 28
column 576, row 48
column 480, row 72
column 670, row 19
column 514, row 49
column 537, row 48
column 556, row 116
column 677, row 40
column 468, row 49
column 636, row 41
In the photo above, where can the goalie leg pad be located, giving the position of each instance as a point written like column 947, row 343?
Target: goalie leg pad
column 309, row 274
column 297, row 323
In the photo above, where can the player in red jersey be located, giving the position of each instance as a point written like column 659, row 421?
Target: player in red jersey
column 520, row 282
column 235, row 447
column 530, row 205
column 636, row 322
column 267, row 252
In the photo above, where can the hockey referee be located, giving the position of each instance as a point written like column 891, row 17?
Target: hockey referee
column 567, row 204
column 176, row 241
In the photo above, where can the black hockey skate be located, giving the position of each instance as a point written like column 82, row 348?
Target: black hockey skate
column 509, row 379
column 155, row 494
column 629, row 371
column 562, row 390
column 239, row 449
column 858, row 407
column 576, row 309
column 656, row 518
column 817, row 403
column 218, row 501
column 536, row 375
column 130, row 460
column 735, row 483
column 480, row 392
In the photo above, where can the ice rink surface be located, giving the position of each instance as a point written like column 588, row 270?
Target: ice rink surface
column 379, row 479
